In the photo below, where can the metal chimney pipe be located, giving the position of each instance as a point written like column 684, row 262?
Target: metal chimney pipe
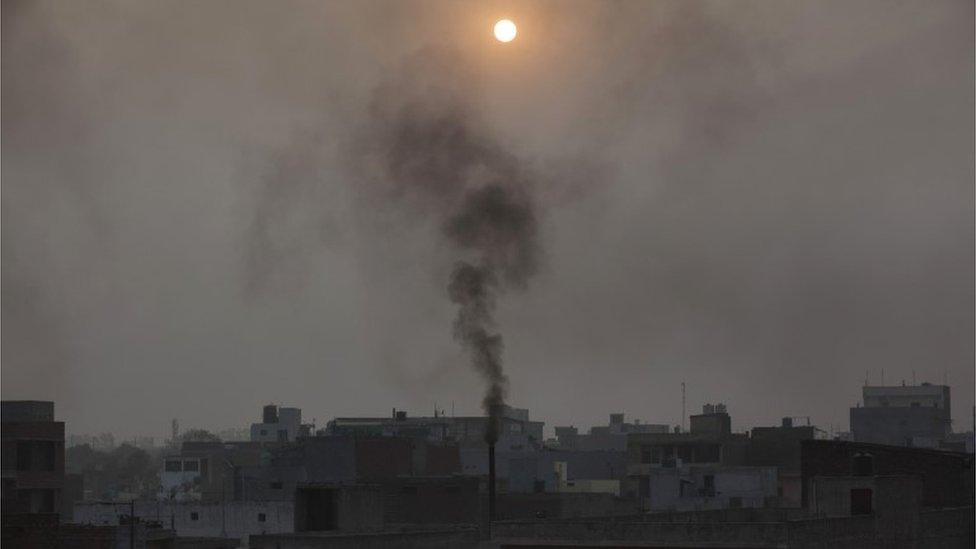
column 491, row 486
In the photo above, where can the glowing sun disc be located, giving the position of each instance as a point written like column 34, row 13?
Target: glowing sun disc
column 505, row 30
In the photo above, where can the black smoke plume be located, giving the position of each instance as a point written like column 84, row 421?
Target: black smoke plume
column 428, row 149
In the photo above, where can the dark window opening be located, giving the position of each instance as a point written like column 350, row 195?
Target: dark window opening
column 319, row 510
column 191, row 465
column 735, row 502
column 452, row 489
column 708, row 482
column 276, row 485
column 45, row 452
column 863, row 465
column 861, row 501
column 23, row 455
column 262, row 517
column 47, row 501
column 707, row 453
column 174, row 466
column 409, row 490
column 194, row 516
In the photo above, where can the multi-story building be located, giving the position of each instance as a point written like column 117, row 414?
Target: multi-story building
column 279, row 425
column 33, row 457
column 517, row 430
column 612, row 436
column 907, row 415
column 679, row 470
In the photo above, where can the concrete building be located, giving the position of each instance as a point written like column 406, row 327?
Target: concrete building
column 537, row 472
column 516, row 429
column 43, row 531
column 946, row 477
column 710, row 442
column 279, row 425
column 33, row 457
column 210, row 471
column 197, row 519
column 780, row 447
column 907, row 415
column 612, row 436
column 701, row 487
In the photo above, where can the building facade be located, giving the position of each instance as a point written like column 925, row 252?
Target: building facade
column 33, row 457
column 908, row 415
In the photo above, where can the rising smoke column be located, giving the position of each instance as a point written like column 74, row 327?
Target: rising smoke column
column 427, row 151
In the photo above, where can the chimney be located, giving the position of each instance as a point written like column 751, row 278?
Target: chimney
column 491, row 486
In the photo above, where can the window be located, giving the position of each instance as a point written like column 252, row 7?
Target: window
column 47, row 501
column 646, row 455
column 863, row 465
column 283, row 435
column 262, row 517
column 276, row 485
column 45, row 451
column 194, row 516
column 174, row 466
column 915, row 405
column 735, row 502
column 191, row 465
column 861, row 501
column 452, row 489
column 23, row 455
column 409, row 490
column 264, row 432
column 708, row 453
column 709, row 485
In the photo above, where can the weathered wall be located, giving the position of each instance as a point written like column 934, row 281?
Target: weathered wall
column 752, row 534
column 947, row 477
column 237, row 518
column 448, row 538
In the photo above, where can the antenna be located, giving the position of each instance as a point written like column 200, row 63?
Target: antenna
column 682, row 406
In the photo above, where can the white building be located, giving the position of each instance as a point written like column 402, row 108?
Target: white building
column 278, row 425
column 181, row 477
column 234, row 519
column 692, row 488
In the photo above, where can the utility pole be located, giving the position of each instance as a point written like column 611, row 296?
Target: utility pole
column 132, row 524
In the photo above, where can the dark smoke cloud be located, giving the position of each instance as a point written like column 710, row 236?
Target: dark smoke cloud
column 434, row 155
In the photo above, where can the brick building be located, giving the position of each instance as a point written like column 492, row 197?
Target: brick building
column 33, row 457
column 946, row 477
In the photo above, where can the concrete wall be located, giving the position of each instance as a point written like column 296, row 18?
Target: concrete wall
column 446, row 538
column 237, row 518
column 734, row 534
column 899, row 426
column 947, row 477
column 685, row 488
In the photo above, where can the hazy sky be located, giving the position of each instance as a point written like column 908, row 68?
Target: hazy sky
column 767, row 200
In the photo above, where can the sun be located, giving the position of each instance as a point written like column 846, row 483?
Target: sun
column 505, row 30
